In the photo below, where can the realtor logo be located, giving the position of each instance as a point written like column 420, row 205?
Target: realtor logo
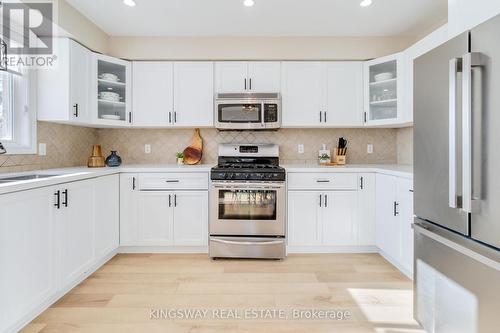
column 27, row 27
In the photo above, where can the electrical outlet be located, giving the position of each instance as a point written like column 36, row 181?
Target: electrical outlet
column 147, row 148
column 300, row 148
column 42, row 149
column 369, row 148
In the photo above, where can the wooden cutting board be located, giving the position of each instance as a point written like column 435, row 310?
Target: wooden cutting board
column 194, row 152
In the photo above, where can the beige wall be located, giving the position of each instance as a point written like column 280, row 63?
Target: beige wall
column 256, row 48
column 73, row 24
column 405, row 145
column 67, row 146
column 166, row 142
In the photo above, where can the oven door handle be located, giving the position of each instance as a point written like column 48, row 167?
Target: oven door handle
column 246, row 243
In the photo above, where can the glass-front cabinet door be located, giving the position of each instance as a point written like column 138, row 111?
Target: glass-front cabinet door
column 111, row 91
column 383, row 90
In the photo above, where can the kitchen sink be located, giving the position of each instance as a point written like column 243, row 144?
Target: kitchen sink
column 24, row 177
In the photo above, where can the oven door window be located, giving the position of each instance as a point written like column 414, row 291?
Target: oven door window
column 247, row 205
column 240, row 113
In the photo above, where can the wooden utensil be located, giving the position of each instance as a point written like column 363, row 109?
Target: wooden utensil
column 194, row 152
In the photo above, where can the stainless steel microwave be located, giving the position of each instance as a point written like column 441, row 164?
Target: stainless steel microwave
column 248, row 111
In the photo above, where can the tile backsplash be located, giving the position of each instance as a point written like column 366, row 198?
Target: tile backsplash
column 165, row 142
column 69, row 146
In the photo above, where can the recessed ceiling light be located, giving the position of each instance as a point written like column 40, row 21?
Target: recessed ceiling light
column 365, row 3
column 249, row 3
column 130, row 3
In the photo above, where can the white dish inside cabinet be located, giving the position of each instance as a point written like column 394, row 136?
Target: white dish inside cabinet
column 382, row 90
column 112, row 92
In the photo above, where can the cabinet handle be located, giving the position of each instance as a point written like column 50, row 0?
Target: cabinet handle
column 175, row 200
column 76, row 110
column 396, row 204
column 322, row 180
column 320, row 117
column 361, row 185
column 65, row 202
column 172, row 181
column 169, row 200
column 326, row 200
column 365, row 117
column 325, row 116
column 133, row 183
column 57, row 204
column 245, row 84
column 250, row 83
column 170, row 117
column 320, row 200
column 175, row 117
column 130, row 117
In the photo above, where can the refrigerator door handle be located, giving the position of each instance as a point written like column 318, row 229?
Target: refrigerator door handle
column 470, row 61
column 454, row 69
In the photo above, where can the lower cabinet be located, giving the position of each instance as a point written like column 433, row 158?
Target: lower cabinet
column 322, row 218
column 27, row 254
column 394, row 217
column 162, row 217
column 49, row 239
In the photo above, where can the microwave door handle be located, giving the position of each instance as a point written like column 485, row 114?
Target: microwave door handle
column 455, row 66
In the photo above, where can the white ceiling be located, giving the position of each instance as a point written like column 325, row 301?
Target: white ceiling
column 266, row 18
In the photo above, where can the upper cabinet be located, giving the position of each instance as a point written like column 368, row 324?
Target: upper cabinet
column 63, row 92
column 322, row 94
column 110, row 95
column 172, row 94
column 247, row 76
column 384, row 91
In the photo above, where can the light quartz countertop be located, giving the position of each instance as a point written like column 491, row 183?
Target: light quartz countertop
column 66, row 175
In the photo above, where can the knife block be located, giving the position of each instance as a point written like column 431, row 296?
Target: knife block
column 340, row 156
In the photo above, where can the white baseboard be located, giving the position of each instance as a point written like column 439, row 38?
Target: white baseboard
column 60, row 293
column 396, row 264
column 331, row 249
column 163, row 249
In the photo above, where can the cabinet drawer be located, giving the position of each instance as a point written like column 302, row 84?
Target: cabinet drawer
column 173, row 181
column 314, row 181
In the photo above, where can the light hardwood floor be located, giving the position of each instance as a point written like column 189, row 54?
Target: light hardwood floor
column 120, row 295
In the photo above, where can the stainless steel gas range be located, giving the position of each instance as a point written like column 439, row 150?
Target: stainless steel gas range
column 247, row 203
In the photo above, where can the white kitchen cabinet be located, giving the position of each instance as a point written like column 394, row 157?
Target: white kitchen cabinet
column 405, row 200
column 385, row 91
column 190, row 218
column 153, row 93
column 338, row 218
column 304, row 222
column 155, row 218
column 164, row 209
column 107, row 111
column 344, row 94
column 27, row 254
column 387, row 221
column 193, row 94
column 128, row 208
column 106, row 215
column 63, row 95
column 247, row 76
column 302, row 89
column 394, row 218
column 75, row 222
column 366, row 209
column 322, row 94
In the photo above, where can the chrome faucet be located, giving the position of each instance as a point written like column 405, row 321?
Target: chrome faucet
column 2, row 149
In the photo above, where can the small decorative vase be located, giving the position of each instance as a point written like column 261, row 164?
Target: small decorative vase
column 180, row 161
column 96, row 160
column 113, row 160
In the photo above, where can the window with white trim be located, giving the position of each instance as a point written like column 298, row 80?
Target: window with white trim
column 17, row 119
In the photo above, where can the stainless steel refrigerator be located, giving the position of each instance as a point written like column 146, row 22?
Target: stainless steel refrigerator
column 457, row 183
